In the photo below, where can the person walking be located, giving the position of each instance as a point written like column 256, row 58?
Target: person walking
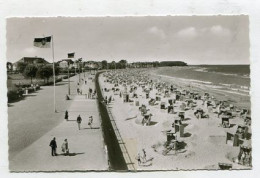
column 90, row 121
column 66, row 115
column 90, row 93
column 139, row 159
column 144, row 155
column 79, row 121
column 53, row 146
column 65, row 147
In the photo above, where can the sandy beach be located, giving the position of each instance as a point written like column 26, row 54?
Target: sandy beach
column 201, row 143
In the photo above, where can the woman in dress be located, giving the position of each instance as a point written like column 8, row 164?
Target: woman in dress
column 65, row 147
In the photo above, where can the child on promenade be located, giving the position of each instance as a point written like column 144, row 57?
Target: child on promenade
column 90, row 121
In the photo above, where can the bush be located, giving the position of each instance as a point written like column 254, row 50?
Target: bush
column 58, row 80
column 30, row 89
column 12, row 95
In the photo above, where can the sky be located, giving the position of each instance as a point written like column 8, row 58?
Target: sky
column 192, row 39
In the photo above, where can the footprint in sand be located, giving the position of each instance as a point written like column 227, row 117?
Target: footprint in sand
column 138, row 121
column 194, row 137
column 216, row 140
column 166, row 124
column 192, row 127
column 190, row 154
column 193, row 144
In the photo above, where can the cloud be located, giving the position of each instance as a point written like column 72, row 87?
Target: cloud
column 192, row 32
column 219, row 30
column 30, row 50
column 156, row 31
column 189, row 32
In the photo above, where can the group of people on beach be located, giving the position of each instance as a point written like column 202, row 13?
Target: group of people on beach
column 202, row 105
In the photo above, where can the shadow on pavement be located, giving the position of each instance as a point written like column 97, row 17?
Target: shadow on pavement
column 60, row 84
column 70, row 154
column 21, row 98
column 9, row 105
column 29, row 95
column 130, row 118
column 93, row 128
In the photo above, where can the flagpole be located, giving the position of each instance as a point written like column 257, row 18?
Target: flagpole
column 68, row 79
column 54, row 79
column 75, row 65
column 79, row 69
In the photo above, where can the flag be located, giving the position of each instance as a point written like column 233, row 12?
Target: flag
column 42, row 42
column 71, row 55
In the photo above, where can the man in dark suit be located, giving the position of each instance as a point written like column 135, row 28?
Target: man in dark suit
column 79, row 121
column 53, row 146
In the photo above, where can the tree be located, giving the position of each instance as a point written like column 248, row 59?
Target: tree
column 122, row 64
column 45, row 72
column 112, row 65
column 104, row 64
column 57, row 69
column 21, row 66
column 156, row 64
column 30, row 71
column 172, row 63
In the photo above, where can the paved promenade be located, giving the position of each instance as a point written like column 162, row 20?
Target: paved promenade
column 86, row 145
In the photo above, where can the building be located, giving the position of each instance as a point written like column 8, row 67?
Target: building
column 92, row 65
column 33, row 60
column 65, row 63
column 30, row 60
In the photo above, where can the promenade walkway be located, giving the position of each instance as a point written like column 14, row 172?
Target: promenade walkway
column 86, row 145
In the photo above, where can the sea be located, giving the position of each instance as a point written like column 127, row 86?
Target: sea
column 224, row 77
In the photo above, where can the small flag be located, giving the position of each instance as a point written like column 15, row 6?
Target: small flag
column 71, row 55
column 42, row 42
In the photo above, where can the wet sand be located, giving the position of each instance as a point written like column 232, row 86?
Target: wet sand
column 239, row 99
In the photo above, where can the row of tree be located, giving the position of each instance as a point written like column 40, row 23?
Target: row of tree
column 122, row 64
column 39, row 71
column 45, row 71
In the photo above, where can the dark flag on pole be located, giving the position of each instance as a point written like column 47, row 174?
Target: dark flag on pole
column 42, row 42
column 71, row 55
column 46, row 43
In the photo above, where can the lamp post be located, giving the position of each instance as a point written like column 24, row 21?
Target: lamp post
column 68, row 78
column 79, row 60
column 84, row 72
column 79, row 70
